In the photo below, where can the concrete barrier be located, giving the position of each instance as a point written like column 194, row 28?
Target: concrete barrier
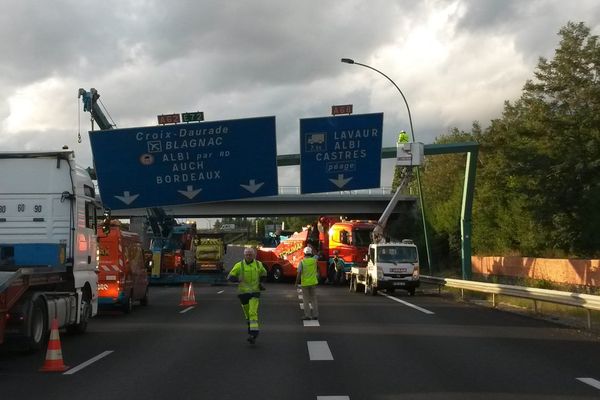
column 565, row 271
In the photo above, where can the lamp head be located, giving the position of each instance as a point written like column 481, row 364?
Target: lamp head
column 347, row 60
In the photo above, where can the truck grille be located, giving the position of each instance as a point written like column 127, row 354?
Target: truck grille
column 397, row 276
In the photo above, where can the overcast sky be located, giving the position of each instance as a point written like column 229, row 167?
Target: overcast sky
column 455, row 61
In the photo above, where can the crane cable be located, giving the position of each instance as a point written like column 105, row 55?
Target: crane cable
column 112, row 121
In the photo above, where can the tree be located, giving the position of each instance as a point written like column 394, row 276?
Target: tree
column 540, row 180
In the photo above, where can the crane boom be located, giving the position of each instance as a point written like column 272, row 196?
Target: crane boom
column 90, row 103
column 378, row 232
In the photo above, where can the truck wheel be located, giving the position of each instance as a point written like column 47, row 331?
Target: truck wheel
column 128, row 305
column 277, row 273
column 390, row 290
column 373, row 290
column 86, row 311
column 144, row 300
column 38, row 325
column 411, row 291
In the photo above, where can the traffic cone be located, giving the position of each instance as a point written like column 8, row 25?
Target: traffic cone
column 188, row 298
column 54, row 361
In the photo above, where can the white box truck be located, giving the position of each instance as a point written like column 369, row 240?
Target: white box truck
column 390, row 266
column 48, row 247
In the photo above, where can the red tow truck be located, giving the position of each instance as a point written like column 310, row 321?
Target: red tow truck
column 350, row 238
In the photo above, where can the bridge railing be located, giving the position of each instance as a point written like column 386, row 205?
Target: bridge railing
column 587, row 301
column 379, row 191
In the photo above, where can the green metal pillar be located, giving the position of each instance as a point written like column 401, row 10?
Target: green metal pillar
column 466, row 213
column 472, row 149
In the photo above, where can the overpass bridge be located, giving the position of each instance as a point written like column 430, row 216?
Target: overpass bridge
column 368, row 203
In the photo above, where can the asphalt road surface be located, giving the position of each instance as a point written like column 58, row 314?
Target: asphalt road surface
column 363, row 347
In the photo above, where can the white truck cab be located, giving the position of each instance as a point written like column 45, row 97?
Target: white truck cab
column 48, row 244
column 390, row 266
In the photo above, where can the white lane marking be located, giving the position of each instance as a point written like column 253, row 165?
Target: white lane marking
column 88, row 362
column 299, row 290
column 300, row 297
column 220, row 291
column 590, row 381
column 319, row 351
column 302, row 306
column 311, row 323
column 333, row 397
column 407, row 304
column 186, row 310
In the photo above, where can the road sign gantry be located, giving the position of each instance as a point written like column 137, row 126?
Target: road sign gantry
column 186, row 163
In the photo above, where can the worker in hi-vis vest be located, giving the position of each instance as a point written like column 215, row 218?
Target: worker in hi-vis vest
column 308, row 278
column 249, row 273
column 402, row 137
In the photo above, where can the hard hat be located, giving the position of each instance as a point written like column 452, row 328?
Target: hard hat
column 307, row 250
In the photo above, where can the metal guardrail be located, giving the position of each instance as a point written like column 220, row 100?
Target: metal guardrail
column 587, row 301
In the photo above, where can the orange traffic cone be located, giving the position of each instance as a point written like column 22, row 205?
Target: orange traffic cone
column 54, row 360
column 188, row 298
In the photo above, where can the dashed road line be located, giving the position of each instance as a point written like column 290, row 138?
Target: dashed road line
column 319, row 351
column 186, row 310
column 220, row 291
column 423, row 310
column 311, row 323
column 333, row 397
column 88, row 362
column 590, row 381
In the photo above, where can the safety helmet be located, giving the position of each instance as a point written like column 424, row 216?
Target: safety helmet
column 307, row 250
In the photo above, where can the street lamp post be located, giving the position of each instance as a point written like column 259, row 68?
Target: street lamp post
column 412, row 132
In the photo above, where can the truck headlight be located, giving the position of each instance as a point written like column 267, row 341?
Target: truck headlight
column 415, row 274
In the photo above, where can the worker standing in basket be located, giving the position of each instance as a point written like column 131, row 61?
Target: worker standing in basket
column 249, row 273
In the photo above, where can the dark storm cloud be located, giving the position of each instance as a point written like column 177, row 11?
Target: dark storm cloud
column 534, row 24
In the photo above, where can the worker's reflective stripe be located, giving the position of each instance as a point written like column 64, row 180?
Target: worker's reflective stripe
column 309, row 272
column 253, row 325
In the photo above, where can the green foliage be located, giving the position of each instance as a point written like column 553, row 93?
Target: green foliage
column 538, row 178
column 296, row 223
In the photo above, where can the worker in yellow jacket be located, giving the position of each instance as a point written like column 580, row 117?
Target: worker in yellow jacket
column 249, row 273
column 308, row 278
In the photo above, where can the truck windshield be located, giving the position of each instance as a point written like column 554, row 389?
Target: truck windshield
column 361, row 237
column 397, row 254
